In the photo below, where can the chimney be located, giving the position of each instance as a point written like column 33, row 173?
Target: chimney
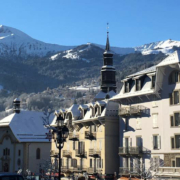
column 16, row 104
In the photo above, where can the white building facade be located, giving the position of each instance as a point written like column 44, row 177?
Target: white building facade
column 149, row 111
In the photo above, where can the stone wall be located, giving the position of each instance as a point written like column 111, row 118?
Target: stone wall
column 169, row 157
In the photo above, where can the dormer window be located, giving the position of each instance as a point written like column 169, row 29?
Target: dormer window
column 102, row 108
column 153, row 81
column 126, row 87
column 138, row 84
column 85, row 111
column 96, row 110
column 174, row 77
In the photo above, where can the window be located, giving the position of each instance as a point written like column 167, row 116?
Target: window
column 90, row 163
column 156, row 142
column 126, row 87
column 175, row 120
column 139, row 141
column 173, row 164
column 178, row 162
column 174, row 77
column 74, row 145
column 6, row 152
column 175, row 142
column 102, row 108
column 38, row 153
column 138, row 84
column 174, row 98
column 153, row 81
column 155, row 122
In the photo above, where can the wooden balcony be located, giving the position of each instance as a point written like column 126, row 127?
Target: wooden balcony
column 94, row 153
column 129, row 171
column 90, row 135
column 73, row 137
column 168, row 172
column 130, row 151
column 80, row 153
column 131, row 110
column 67, row 153
column 54, row 153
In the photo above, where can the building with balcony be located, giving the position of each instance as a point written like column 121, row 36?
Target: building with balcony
column 94, row 128
column 149, row 111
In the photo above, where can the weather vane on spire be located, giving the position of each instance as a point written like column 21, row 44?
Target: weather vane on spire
column 107, row 27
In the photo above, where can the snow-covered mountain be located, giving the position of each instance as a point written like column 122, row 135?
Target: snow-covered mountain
column 166, row 47
column 14, row 42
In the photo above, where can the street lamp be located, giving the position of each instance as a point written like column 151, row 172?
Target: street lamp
column 59, row 134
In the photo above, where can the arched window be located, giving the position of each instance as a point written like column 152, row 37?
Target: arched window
column 174, row 77
column 38, row 153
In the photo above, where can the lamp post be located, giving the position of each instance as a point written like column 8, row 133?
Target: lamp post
column 59, row 134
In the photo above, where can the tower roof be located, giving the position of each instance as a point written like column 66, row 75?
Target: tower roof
column 107, row 50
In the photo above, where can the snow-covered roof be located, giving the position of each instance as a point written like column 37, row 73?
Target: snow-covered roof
column 83, row 106
column 101, row 95
column 27, row 126
column 171, row 59
column 74, row 111
column 145, row 71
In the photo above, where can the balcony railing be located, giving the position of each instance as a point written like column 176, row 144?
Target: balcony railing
column 67, row 153
column 94, row 153
column 168, row 171
column 54, row 153
column 90, row 135
column 68, row 169
column 80, row 153
column 131, row 110
column 126, row 151
column 73, row 137
column 93, row 170
column 129, row 171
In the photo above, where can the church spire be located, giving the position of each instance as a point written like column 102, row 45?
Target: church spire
column 107, row 41
column 108, row 72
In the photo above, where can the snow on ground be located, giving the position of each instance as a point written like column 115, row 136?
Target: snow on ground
column 54, row 57
column 85, row 88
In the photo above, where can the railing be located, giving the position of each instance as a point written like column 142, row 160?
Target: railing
column 93, row 170
column 129, row 171
column 168, row 171
column 54, row 153
column 68, row 169
column 67, row 153
column 131, row 110
column 73, row 137
column 82, row 168
column 90, row 135
column 80, row 153
column 94, row 153
column 130, row 151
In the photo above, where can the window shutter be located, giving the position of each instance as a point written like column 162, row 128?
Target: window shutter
column 130, row 142
column 92, row 163
column 172, row 121
column 159, row 142
column 101, row 163
column 172, row 143
column 62, row 162
column 152, row 143
column 124, row 145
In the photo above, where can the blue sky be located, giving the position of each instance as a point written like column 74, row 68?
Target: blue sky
column 73, row 22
